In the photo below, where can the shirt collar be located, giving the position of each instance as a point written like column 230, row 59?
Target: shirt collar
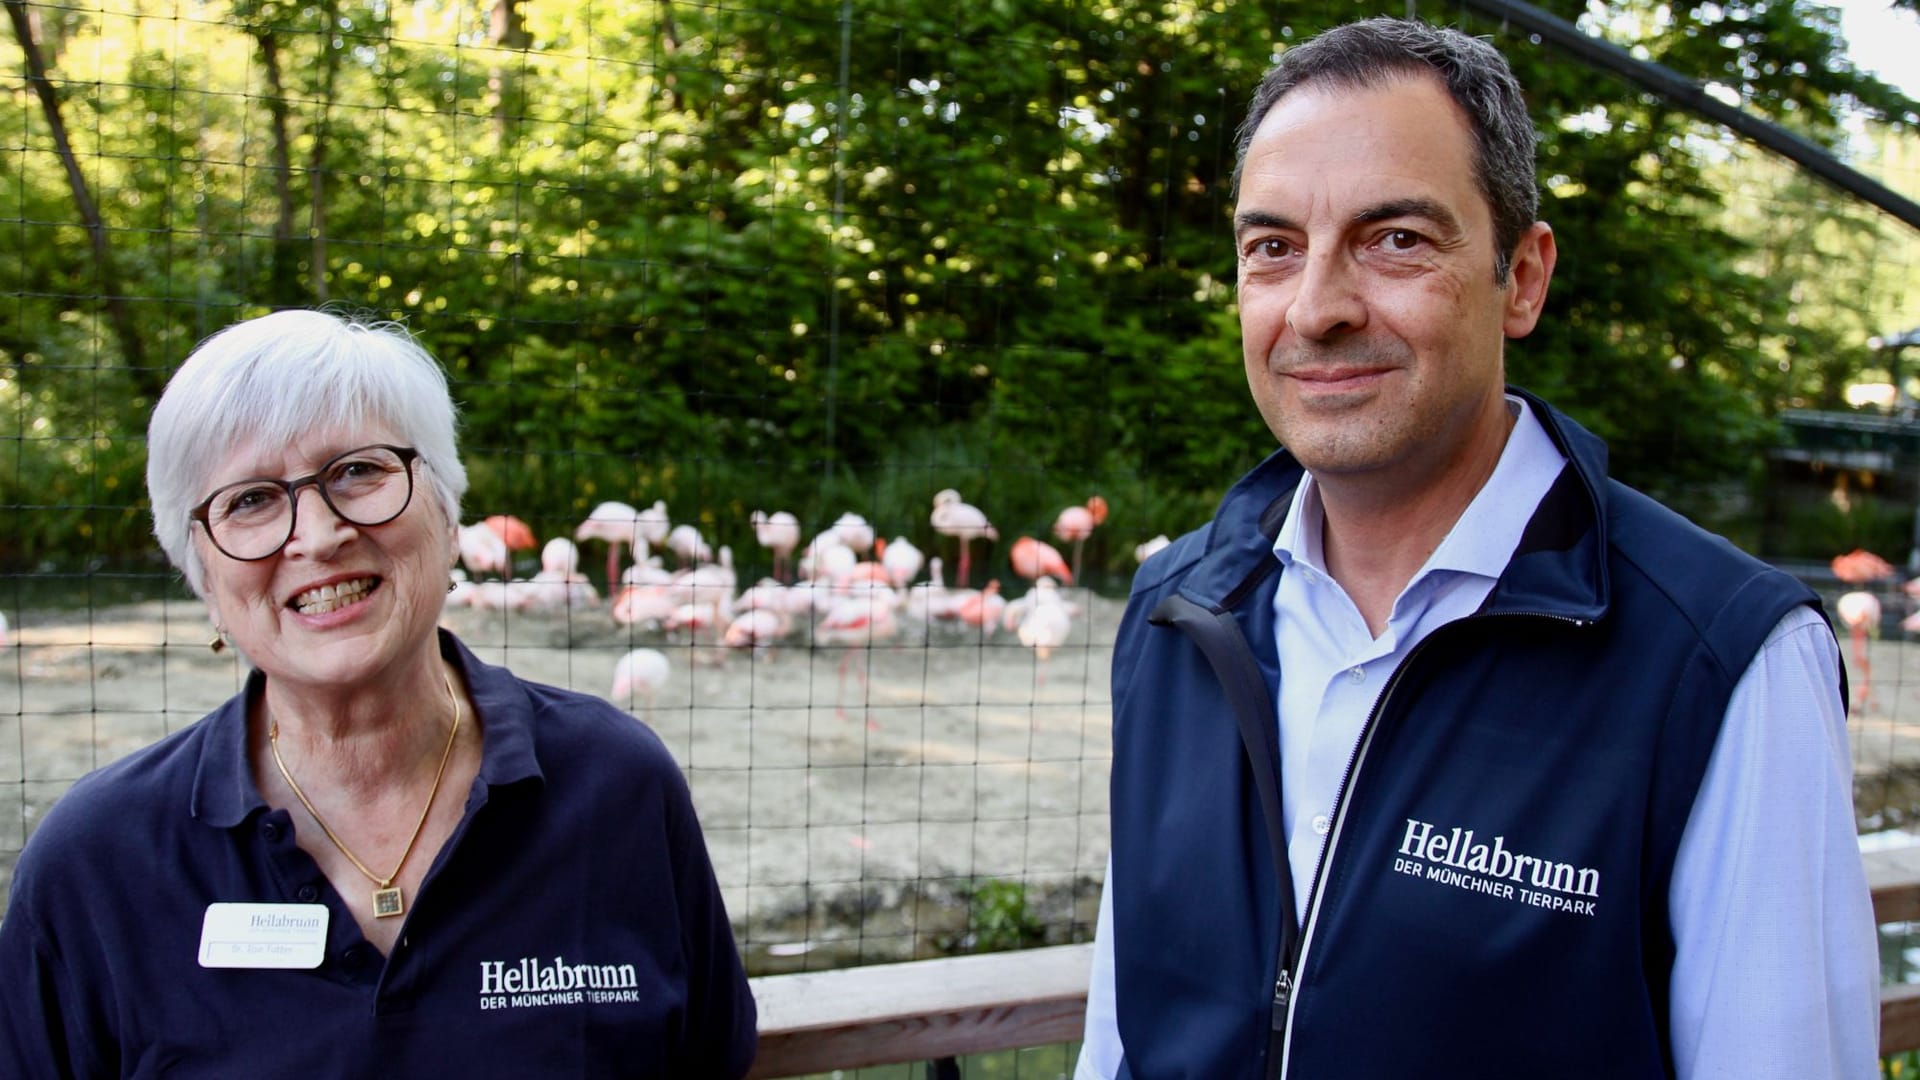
column 1482, row 542
column 224, row 794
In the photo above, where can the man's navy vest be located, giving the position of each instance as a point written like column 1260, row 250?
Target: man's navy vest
column 1495, row 899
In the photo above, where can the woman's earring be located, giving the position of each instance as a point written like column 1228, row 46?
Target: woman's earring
column 219, row 643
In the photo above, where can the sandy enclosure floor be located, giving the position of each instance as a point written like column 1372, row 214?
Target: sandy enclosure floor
column 846, row 813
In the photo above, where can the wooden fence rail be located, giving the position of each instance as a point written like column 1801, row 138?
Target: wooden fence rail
column 929, row 1009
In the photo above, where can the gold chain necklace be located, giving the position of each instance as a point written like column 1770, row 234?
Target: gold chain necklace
column 387, row 899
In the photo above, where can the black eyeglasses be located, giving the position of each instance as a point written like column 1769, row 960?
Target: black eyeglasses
column 253, row 519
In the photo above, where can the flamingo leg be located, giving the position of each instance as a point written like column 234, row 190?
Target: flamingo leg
column 1864, row 695
column 963, row 561
column 840, row 688
column 613, row 567
column 840, row 693
column 1077, row 545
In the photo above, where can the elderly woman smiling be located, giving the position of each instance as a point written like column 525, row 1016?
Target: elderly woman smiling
column 382, row 857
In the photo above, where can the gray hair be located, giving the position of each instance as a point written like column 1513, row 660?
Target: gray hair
column 276, row 378
column 1366, row 54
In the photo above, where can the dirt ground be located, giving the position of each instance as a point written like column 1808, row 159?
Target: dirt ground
column 847, row 814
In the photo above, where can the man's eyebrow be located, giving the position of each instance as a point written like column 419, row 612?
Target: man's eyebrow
column 1404, row 208
column 1260, row 219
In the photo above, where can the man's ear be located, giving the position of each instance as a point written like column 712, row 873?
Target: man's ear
column 1527, row 280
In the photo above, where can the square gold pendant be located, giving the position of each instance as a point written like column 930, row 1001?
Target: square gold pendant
column 387, row 903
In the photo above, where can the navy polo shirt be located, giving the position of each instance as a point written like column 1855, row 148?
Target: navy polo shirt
column 578, row 862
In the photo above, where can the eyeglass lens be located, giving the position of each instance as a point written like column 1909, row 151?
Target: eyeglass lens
column 254, row 518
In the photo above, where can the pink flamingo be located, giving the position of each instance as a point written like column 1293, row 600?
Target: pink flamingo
column 901, row 558
column 758, row 629
column 709, row 583
column 654, row 524
column 689, row 546
column 503, row 596
column 778, row 532
column 862, row 575
column 1860, row 611
column 857, row 621
column 954, row 517
column 482, row 551
column 617, row 524
column 1035, row 559
column 1147, row 549
column 517, row 534
column 640, row 673
column 929, row 600
column 982, row 608
column 559, row 585
column 699, row 620
column 644, row 605
column 1076, row 523
column 853, row 531
column 647, row 571
column 827, row 558
column 1860, row 567
column 1046, row 624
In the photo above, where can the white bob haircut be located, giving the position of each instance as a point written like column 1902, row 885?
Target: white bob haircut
column 277, row 378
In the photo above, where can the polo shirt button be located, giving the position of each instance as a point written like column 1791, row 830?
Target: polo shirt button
column 1321, row 824
column 1358, row 674
column 270, row 831
column 307, row 894
column 353, row 958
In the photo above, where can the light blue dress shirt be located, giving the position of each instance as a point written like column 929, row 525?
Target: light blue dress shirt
column 1772, row 978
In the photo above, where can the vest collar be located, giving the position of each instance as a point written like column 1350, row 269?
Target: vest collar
column 1558, row 570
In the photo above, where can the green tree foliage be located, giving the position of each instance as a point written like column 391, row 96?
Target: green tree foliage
column 830, row 256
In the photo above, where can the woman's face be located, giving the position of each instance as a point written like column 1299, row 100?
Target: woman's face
column 393, row 576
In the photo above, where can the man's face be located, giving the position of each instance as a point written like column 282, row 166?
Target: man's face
column 1369, row 317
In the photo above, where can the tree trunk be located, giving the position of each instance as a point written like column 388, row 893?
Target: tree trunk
column 317, row 156
column 283, row 284
column 506, row 30
column 119, row 317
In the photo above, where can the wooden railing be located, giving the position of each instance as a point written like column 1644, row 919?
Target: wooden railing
column 920, row 1011
column 1894, row 877
column 931, row 1009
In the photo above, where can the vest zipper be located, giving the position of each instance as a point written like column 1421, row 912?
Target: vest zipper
column 1283, row 988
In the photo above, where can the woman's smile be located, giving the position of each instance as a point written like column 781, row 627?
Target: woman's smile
column 333, row 596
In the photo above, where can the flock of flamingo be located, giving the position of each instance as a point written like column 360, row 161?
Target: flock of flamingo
column 846, row 586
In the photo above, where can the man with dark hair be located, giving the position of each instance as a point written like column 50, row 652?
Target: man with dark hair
column 1438, row 753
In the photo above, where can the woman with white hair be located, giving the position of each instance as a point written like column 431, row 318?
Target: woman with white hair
column 382, row 857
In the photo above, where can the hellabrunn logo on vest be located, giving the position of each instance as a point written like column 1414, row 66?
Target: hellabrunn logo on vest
column 531, row 982
column 1453, row 856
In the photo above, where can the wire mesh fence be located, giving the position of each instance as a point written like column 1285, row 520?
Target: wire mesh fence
column 832, row 260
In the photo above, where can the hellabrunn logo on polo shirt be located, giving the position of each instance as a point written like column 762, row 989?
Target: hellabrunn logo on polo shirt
column 1451, row 857
column 531, row 982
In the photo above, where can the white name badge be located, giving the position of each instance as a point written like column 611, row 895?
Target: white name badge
column 263, row 936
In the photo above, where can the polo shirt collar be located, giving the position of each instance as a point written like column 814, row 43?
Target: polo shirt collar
column 224, row 794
